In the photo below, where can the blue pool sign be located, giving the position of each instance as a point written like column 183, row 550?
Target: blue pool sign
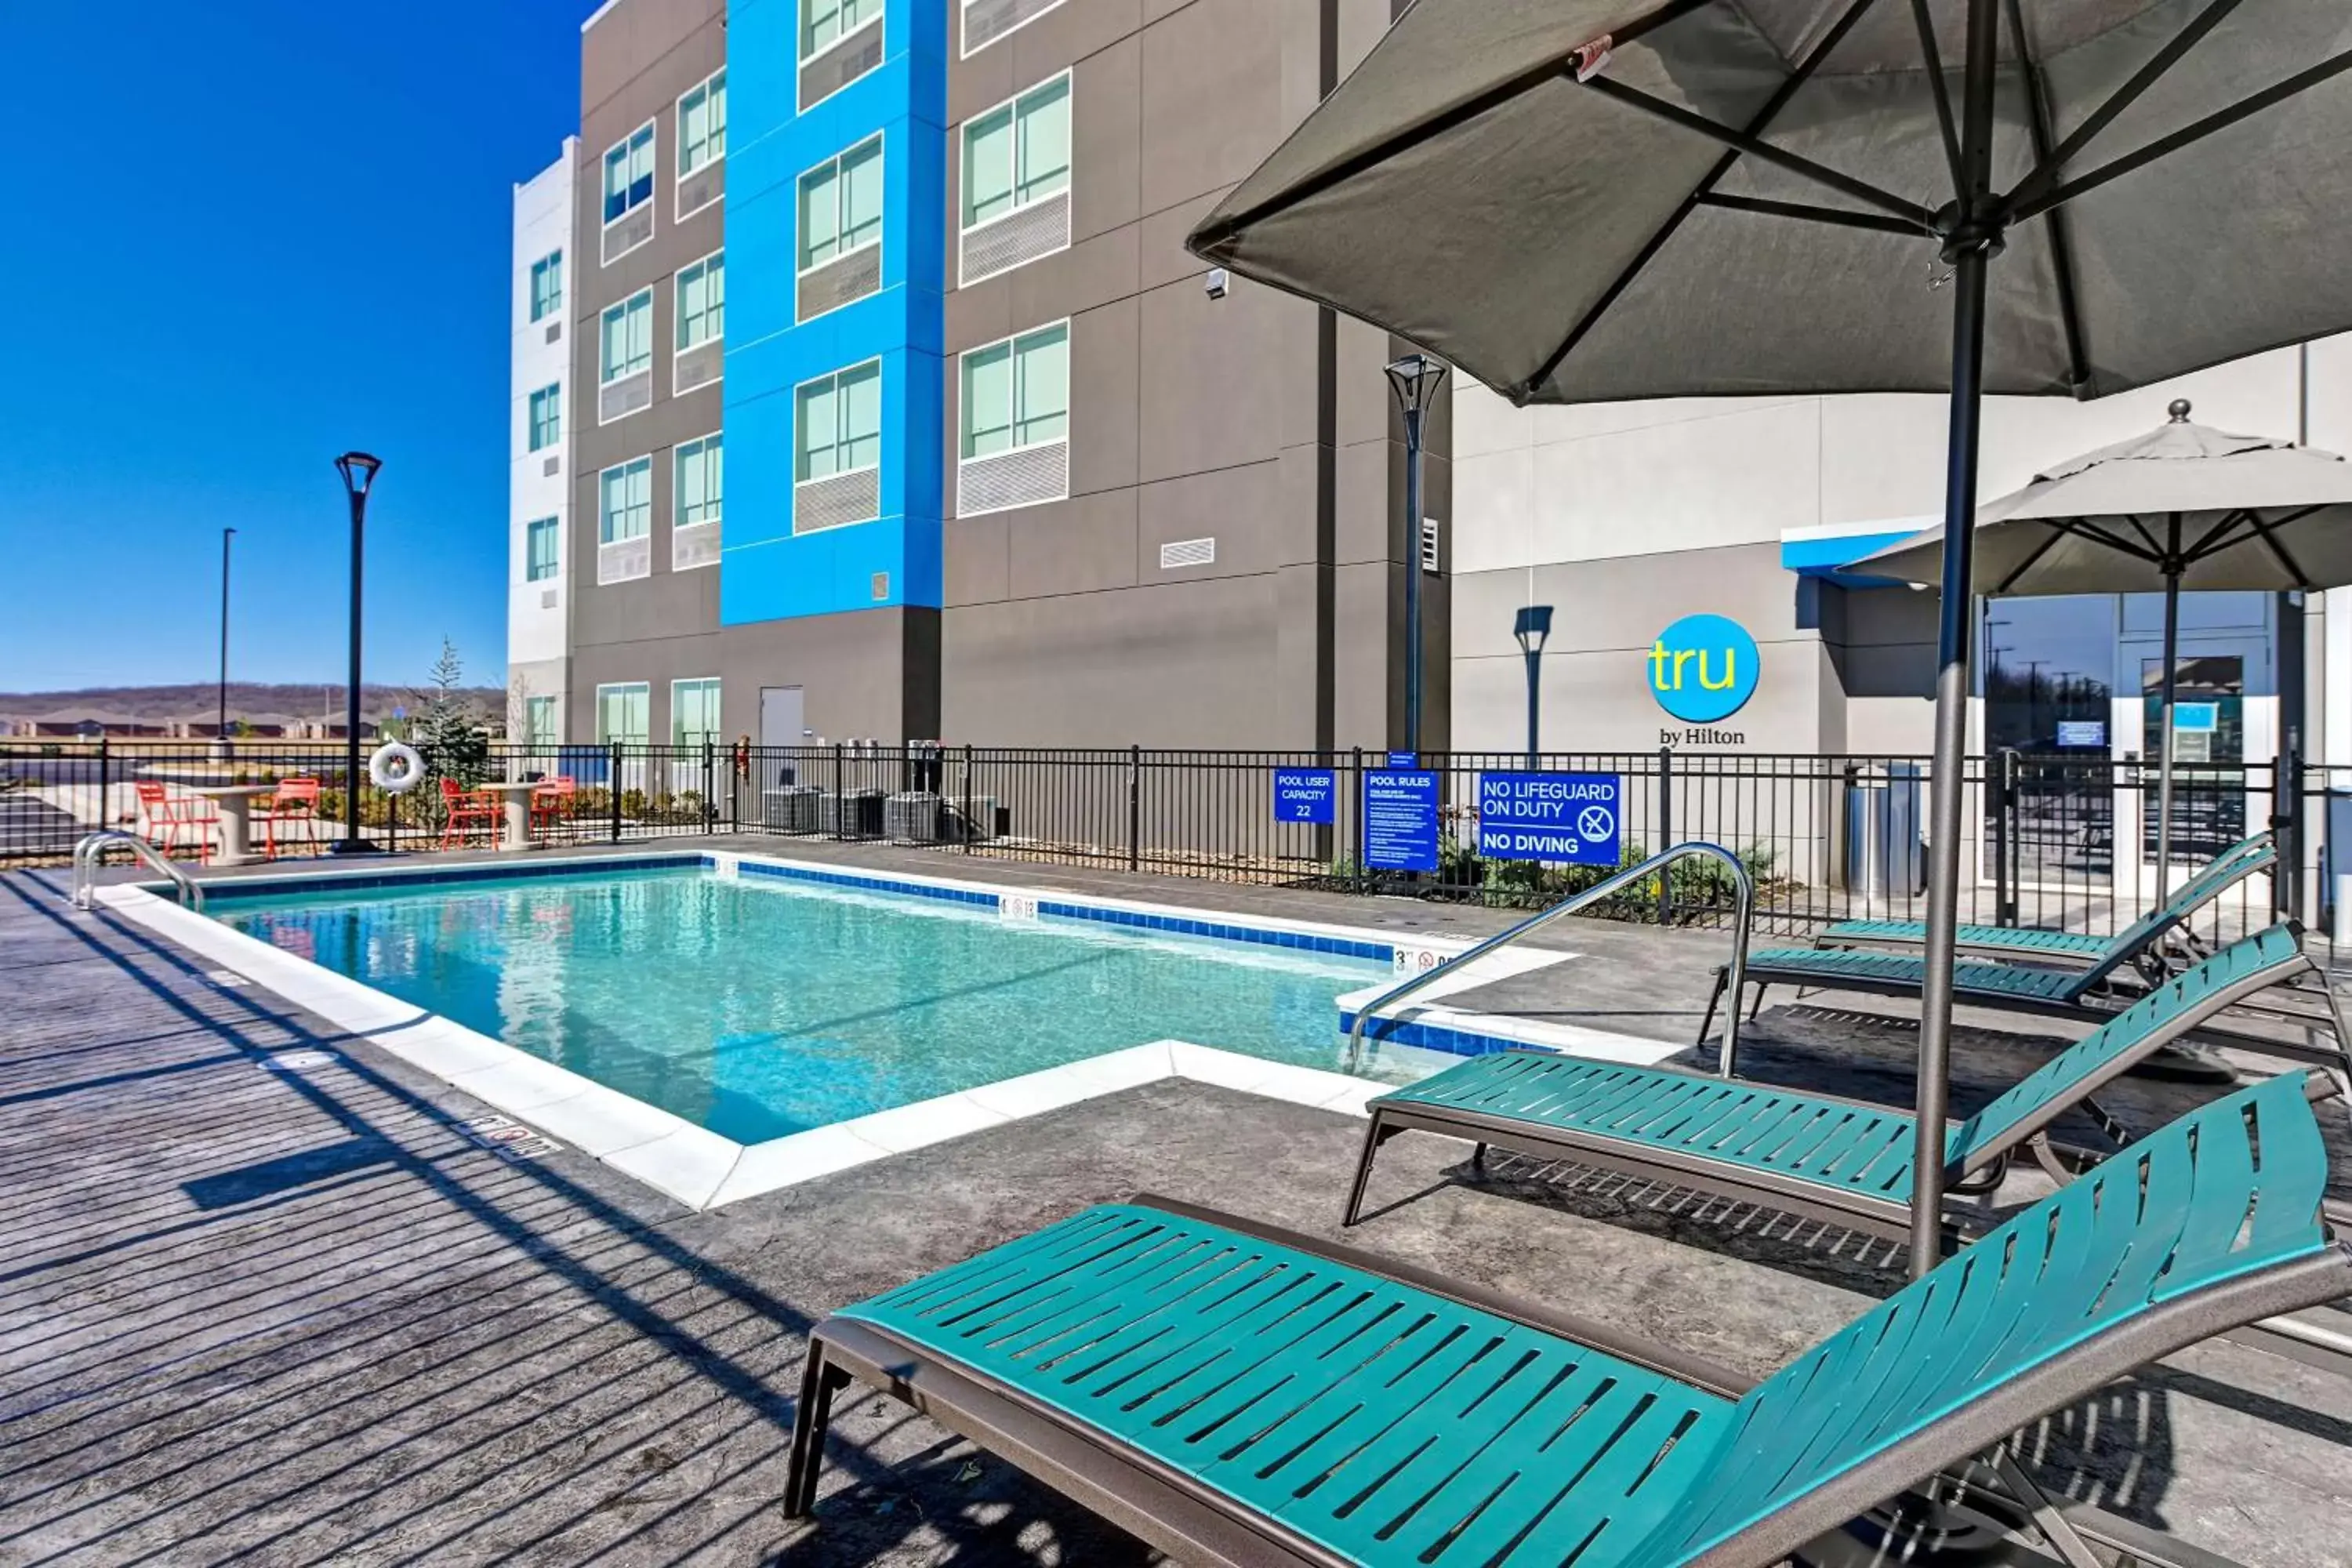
column 1306, row 794
column 1702, row 669
column 1404, row 760
column 1574, row 819
column 1401, row 820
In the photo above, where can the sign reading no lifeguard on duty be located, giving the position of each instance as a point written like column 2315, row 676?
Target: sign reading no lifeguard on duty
column 1572, row 820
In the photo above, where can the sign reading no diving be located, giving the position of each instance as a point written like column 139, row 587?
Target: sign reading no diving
column 1573, row 819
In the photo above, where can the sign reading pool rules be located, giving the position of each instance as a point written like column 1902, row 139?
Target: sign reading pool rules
column 1400, row 819
column 1571, row 819
column 1306, row 794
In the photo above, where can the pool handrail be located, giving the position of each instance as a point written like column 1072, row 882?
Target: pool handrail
column 90, row 850
column 1744, row 888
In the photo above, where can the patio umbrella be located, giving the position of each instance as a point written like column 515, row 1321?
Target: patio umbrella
column 2185, row 507
column 1584, row 200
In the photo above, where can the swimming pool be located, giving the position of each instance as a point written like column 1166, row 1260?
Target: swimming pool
column 758, row 1006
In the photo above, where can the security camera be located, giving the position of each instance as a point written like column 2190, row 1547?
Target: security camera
column 1218, row 282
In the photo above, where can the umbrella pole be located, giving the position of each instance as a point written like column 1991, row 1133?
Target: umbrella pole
column 2164, row 719
column 1969, row 252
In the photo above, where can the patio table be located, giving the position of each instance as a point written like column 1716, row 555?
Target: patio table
column 516, row 836
column 234, row 805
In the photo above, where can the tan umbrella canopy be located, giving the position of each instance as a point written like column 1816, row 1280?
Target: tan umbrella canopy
column 1582, row 200
column 2186, row 506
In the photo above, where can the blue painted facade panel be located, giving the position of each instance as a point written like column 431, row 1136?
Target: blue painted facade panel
column 768, row 571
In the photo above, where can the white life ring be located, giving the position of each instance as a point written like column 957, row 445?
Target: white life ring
column 395, row 769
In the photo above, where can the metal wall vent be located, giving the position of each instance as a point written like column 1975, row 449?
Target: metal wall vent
column 985, row 21
column 1021, row 477
column 694, row 545
column 549, row 597
column 881, row 587
column 554, row 331
column 549, row 467
column 628, row 231
column 840, row 281
column 1187, row 553
column 849, row 58
column 837, row 499
column 1020, row 235
column 697, row 366
column 619, row 399
column 702, row 187
column 624, row 560
column 1428, row 549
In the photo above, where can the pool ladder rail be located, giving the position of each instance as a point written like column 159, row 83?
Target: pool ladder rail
column 1744, row 889
column 92, row 850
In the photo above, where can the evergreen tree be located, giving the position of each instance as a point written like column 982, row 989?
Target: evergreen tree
column 447, row 727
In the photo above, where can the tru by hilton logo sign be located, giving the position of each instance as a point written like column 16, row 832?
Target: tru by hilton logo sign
column 1702, row 670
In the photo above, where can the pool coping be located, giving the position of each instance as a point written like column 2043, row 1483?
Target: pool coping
column 702, row 1170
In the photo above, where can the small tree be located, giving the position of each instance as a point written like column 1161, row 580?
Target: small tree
column 447, row 727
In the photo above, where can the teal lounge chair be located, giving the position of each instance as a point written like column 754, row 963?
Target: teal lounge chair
column 2085, row 995
column 2225, row 871
column 1846, row 1161
column 1237, row 1395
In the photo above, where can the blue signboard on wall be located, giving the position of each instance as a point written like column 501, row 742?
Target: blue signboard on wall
column 1573, row 819
column 1306, row 794
column 1401, row 820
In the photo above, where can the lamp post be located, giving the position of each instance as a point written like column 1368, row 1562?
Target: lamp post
column 220, row 714
column 1414, row 379
column 359, row 472
column 1533, row 626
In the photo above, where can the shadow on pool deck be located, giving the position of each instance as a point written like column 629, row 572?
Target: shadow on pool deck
column 299, row 1315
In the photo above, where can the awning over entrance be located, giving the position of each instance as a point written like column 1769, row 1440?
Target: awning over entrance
column 1825, row 550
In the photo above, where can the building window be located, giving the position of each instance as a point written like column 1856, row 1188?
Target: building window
column 629, row 336
column 702, row 125
column 824, row 23
column 620, row 714
column 1017, row 392
column 629, row 173
column 699, row 482
column 841, row 205
column 985, row 21
column 546, row 286
column 1017, row 154
column 702, row 301
column 626, row 501
column 838, row 426
column 546, row 417
column 694, row 711
column 542, row 547
column 539, row 727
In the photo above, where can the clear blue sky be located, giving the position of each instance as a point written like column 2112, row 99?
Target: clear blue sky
column 256, row 234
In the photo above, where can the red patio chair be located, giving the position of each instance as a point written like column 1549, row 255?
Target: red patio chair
column 297, row 800
column 552, row 803
column 169, row 817
column 463, row 810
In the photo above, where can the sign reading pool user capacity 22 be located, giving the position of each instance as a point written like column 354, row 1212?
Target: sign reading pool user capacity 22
column 1569, row 818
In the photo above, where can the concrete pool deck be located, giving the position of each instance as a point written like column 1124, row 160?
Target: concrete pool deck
column 293, row 1310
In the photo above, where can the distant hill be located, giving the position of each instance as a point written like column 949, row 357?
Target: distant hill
column 254, row 701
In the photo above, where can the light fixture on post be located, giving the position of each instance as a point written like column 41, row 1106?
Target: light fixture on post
column 221, row 748
column 359, row 471
column 1533, row 626
column 1415, row 380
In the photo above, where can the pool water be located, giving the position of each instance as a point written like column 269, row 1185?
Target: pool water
column 760, row 1007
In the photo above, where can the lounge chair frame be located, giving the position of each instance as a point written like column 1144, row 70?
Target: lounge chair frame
column 1805, row 1199
column 1196, row 1525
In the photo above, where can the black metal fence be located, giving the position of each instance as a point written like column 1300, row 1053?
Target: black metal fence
column 1825, row 838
